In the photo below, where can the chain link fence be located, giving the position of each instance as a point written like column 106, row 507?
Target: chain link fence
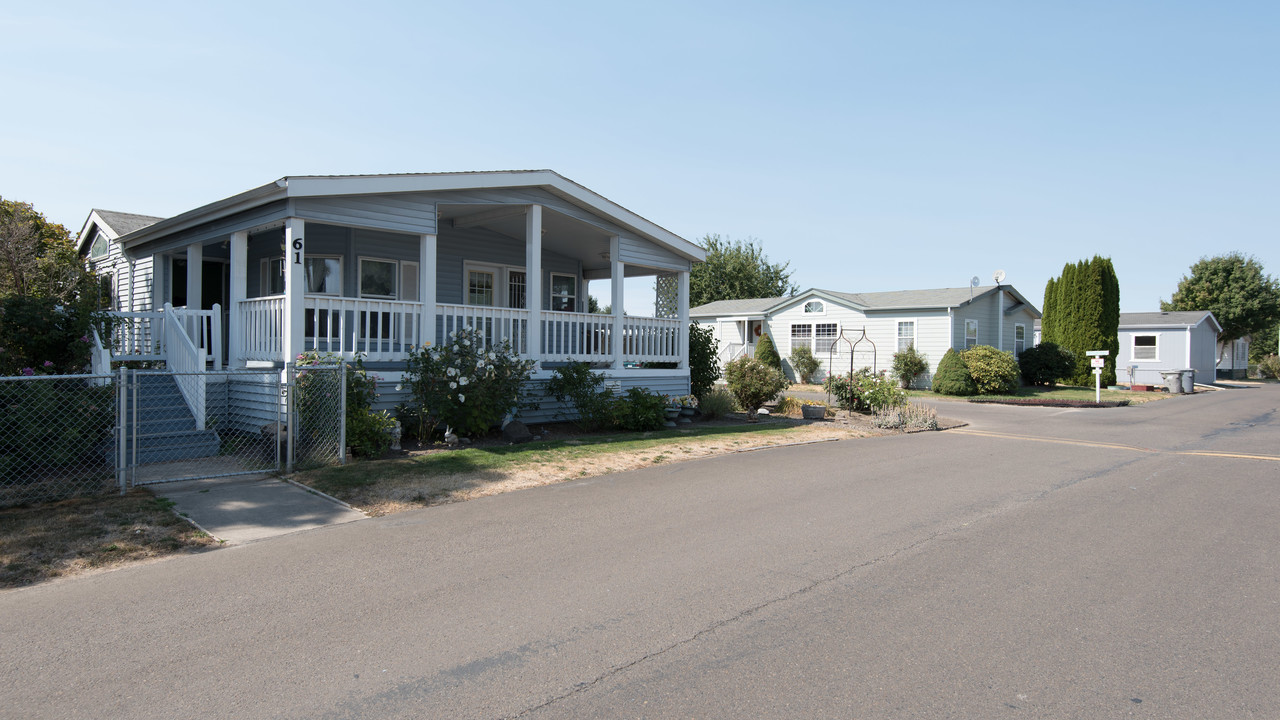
column 317, row 405
column 71, row 435
column 56, row 437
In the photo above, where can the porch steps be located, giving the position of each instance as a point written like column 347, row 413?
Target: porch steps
column 165, row 429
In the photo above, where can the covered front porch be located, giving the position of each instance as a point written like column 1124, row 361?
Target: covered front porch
column 517, row 273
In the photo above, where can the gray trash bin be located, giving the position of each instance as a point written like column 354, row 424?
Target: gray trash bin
column 1172, row 380
column 1188, row 381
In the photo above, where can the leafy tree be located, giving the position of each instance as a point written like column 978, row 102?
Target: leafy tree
column 1263, row 343
column 1082, row 313
column 908, row 365
column 804, row 363
column 704, row 361
column 38, row 258
column 1234, row 288
column 1045, row 364
column 753, row 383
column 767, row 353
column 737, row 270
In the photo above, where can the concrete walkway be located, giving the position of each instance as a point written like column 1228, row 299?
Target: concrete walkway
column 243, row 509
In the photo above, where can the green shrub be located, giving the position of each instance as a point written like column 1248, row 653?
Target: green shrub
column 994, row 372
column 368, row 430
column 639, row 410
column 717, row 403
column 864, row 390
column 789, row 406
column 59, row 423
column 582, row 388
column 767, row 353
column 466, row 386
column 753, row 383
column 804, row 363
column 1269, row 367
column 704, row 359
column 952, row 377
column 40, row 336
column 908, row 365
column 1046, row 364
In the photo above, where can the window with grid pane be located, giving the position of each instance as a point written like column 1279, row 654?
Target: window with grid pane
column 801, row 336
column 824, row 337
column 480, row 288
column 1019, row 340
column 906, row 334
column 970, row 333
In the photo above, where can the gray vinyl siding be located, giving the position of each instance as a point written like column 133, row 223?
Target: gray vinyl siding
column 1171, row 353
column 142, row 278
column 458, row 247
column 407, row 213
column 219, row 229
column 350, row 244
column 635, row 251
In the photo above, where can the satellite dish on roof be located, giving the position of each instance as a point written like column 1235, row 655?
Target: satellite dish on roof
column 998, row 276
column 974, row 282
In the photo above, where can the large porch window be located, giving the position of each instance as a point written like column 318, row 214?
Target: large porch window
column 564, row 293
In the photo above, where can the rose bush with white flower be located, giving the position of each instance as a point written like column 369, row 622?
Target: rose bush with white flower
column 465, row 385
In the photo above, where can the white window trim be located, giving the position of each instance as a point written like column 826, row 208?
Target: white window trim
column 341, row 273
column 395, row 275
column 1017, row 354
column 551, row 284
column 915, row 333
column 501, row 282
column 965, row 339
column 832, row 338
column 1133, row 347
column 264, row 275
column 804, row 309
column 791, row 334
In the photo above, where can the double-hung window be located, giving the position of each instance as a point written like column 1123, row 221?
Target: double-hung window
column 1019, row 340
column 970, row 333
column 802, row 336
column 564, row 293
column 906, row 334
column 824, row 336
column 1145, row 347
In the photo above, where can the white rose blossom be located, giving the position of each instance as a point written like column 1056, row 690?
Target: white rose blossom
column 462, row 398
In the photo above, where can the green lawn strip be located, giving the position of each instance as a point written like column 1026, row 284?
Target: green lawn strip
column 1061, row 392
column 44, row 541
column 340, row 480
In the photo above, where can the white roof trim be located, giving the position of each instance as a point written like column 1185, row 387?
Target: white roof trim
column 323, row 186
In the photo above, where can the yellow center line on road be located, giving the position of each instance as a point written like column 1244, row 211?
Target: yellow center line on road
column 1112, row 446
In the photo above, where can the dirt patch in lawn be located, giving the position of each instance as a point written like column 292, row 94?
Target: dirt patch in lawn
column 436, row 474
column 85, row 534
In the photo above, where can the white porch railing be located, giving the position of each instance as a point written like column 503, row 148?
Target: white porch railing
column 732, row 351
column 203, row 328
column 384, row 330
column 651, row 339
column 577, row 336
column 137, row 336
column 188, row 364
column 380, row 329
column 495, row 325
column 260, row 322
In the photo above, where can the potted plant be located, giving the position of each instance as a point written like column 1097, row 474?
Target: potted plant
column 813, row 410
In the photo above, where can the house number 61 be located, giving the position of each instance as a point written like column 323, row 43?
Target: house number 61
column 297, row 251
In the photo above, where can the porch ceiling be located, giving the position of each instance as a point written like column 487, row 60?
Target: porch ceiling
column 560, row 233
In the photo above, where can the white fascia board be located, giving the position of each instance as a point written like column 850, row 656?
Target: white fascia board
column 93, row 220
column 813, row 293
column 315, row 186
column 230, row 206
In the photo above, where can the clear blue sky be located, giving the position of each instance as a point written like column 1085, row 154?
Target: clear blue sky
column 876, row 146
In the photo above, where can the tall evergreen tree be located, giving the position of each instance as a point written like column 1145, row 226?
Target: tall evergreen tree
column 1082, row 313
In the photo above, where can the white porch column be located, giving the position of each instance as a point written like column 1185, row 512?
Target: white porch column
column 616, row 278
column 533, row 279
column 133, row 268
column 195, row 266
column 294, row 288
column 1000, row 319
column 239, row 291
column 160, row 265
column 427, row 288
column 682, row 301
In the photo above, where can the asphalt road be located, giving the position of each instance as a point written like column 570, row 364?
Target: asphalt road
column 1039, row 563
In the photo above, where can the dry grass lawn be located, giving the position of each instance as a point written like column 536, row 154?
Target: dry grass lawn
column 84, row 534
column 442, row 476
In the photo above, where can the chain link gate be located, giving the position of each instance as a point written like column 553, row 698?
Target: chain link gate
column 184, row 426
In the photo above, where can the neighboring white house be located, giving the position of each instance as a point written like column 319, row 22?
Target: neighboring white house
column 377, row 264
column 858, row 330
column 1151, row 342
column 1235, row 359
